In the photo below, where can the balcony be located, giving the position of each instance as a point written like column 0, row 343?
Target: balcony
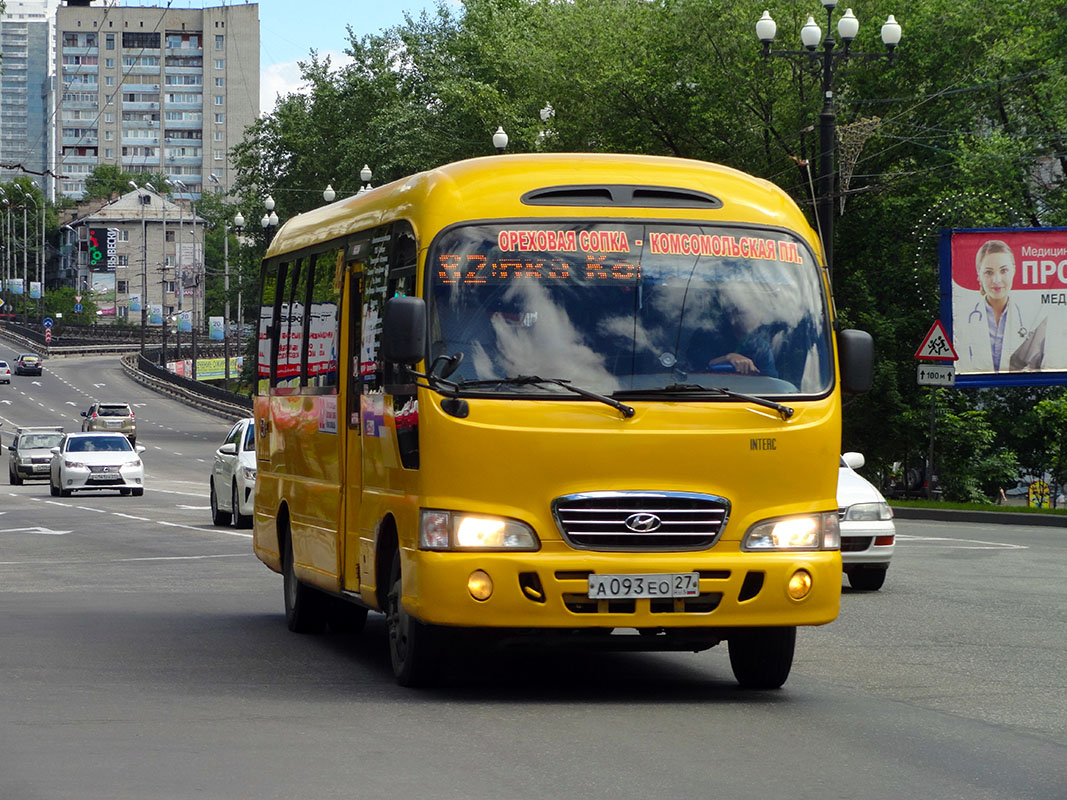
column 131, row 106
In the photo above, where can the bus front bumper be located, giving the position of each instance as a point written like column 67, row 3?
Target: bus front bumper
column 551, row 590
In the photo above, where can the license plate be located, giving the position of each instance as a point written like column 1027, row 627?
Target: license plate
column 114, row 423
column 106, row 477
column 629, row 587
column 40, row 467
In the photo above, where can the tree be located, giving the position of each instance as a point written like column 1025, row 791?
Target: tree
column 107, row 179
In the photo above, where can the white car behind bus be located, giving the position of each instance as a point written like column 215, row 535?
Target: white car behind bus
column 233, row 476
column 867, row 530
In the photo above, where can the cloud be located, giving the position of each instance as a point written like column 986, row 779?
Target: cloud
column 279, row 80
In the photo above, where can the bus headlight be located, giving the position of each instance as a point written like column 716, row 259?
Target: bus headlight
column 803, row 532
column 452, row 530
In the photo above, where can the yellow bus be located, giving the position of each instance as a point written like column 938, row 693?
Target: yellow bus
column 558, row 398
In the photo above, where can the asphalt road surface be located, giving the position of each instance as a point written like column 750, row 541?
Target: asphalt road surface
column 144, row 655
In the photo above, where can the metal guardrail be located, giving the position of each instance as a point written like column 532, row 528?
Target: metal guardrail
column 207, row 398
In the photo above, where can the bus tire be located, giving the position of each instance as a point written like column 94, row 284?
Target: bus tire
column 413, row 646
column 218, row 517
column 761, row 658
column 305, row 608
column 239, row 520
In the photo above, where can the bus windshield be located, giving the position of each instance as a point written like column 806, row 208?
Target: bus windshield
column 628, row 308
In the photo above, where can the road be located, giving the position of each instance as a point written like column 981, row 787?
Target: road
column 145, row 656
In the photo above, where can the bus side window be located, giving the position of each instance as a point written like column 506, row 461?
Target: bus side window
column 324, row 320
column 291, row 325
column 267, row 351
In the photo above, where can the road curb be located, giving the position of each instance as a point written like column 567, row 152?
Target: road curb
column 988, row 517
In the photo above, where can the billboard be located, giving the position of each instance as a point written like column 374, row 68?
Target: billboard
column 1004, row 303
column 102, row 248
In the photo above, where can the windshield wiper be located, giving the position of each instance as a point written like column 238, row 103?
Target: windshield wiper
column 534, row 380
column 695, row 388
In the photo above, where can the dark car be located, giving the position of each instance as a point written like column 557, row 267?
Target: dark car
column 28, row 364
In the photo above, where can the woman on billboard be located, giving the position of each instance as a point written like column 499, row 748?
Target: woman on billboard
column 997, row 335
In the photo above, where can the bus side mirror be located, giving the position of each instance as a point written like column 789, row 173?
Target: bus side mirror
column 856, row 352
column 404, row 330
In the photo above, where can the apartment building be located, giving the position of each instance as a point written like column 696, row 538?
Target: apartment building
column 24, row 90
column 153, row 89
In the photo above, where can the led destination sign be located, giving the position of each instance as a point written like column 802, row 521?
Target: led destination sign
column 599, row 254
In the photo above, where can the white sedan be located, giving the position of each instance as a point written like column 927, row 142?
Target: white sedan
column 233, row 476
column 96, row 460
column 868, row 534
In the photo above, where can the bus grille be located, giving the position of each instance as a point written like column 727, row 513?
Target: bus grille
column 641, row 521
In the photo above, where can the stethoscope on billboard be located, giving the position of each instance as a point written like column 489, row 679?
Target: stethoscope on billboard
column 980, row 313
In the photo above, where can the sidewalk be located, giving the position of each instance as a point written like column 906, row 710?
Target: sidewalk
column 987, row 517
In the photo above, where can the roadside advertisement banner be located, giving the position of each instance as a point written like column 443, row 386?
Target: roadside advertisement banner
column 214, row 369
column 155, row 314
column 216, row 328
column 35, row 290
column 135, row 303
column 1004, row 303
column 15, row 286
column 185, row 321
column 104, row 293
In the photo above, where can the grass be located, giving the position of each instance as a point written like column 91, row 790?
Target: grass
column 976, row 507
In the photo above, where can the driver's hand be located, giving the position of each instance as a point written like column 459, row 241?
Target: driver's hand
column 743, row 365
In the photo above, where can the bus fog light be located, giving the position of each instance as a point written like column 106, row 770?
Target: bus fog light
column 480, row 585
column 800, row 584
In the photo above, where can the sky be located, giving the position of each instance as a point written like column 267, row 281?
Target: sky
column 290, row 29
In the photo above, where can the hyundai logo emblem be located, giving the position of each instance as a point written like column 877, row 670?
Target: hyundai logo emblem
column 643, row 523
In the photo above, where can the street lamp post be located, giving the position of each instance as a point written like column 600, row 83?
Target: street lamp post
column 328, row 194
column 144, row 268
column 163, row 316
column 25, row 255
column 269, row 223
column 238, row 226
column 810, row 34
column 180, row 274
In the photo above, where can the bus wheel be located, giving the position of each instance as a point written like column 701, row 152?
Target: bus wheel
column 413, row 646
column 762, row 657
column 304, row 606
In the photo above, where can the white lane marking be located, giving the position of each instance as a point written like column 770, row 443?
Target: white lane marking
column 42, row 531
column 122, row 560
column 963, row 544
column 194, row 508
column 97, row 510
column 186, row 494
column 204, row 530
column 130, row 516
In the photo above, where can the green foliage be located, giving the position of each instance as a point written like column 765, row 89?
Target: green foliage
column 59, row 304
column 107, row 179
